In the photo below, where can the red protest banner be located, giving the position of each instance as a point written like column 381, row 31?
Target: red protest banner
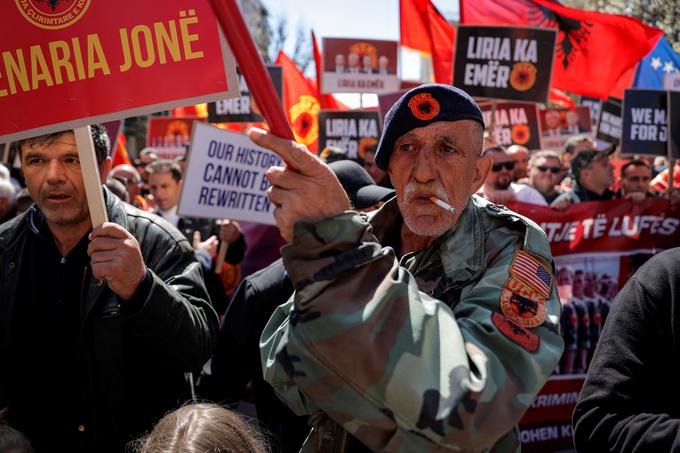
column 608, row 226
column 546, row 426
column 596, row 246
column 75, row 63
column 611, row 239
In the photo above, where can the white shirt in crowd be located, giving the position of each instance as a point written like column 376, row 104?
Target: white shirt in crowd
column 170, row 215
column 527, row 194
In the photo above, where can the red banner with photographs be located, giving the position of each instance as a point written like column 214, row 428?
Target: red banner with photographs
column 546, row 426
column 618, row 231
column 597, row 247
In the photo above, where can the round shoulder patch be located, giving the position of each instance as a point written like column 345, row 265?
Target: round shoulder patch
column 516, row 333
column 424, row 106
column 525, row 311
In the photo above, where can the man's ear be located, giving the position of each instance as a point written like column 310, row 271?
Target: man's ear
column 104, row 169
column 482, row 168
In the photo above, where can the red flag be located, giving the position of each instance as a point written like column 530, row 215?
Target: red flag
column 121, row 156
column 561, row 98
column 593, row 49
column 327, row 100
column 426, row 31
column 200, row 110
column 300, row 103
column 624, row 82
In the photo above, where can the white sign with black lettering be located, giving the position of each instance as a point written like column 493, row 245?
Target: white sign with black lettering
column 225, row 177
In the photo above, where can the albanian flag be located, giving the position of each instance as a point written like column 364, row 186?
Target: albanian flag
column 593, row 49
column 300, row 103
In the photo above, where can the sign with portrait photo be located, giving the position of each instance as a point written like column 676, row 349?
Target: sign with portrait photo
column 359, row 66
column 558, row 124
column 510, row 63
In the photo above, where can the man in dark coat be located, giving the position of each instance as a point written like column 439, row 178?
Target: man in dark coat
column 98, row 327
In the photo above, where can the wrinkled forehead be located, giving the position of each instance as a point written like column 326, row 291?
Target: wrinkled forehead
column 53, row 142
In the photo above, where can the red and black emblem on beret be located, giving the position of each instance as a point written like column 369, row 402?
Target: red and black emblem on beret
column 516, row 333
column 424, row 106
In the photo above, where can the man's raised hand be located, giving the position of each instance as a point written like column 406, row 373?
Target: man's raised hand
column 306, row 189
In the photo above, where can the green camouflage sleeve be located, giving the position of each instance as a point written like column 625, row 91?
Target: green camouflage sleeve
column 398, row 369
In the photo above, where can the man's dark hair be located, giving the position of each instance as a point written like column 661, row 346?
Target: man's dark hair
column 102, row 144
column 165, row 166
column 634, row 163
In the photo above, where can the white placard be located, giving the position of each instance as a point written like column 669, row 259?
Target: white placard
column 672, row 81
column 225, row 177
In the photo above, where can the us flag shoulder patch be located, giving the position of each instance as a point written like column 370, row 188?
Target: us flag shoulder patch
column 532, row 272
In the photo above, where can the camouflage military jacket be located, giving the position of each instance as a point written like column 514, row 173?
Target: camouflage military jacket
column 442, row 350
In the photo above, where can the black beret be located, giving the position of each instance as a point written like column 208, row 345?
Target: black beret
column 420, row 107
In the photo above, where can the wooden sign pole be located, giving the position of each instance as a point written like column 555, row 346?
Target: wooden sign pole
column 220, row 257
column 251, row 65
column 90, row 172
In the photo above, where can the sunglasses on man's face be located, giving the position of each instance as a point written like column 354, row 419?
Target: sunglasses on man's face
column 553, row 170
column 507, row 165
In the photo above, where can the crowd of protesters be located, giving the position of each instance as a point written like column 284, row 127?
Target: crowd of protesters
column 551, row 178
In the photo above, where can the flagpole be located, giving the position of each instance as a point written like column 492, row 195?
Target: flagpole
column 669, row 146
column 251, row 65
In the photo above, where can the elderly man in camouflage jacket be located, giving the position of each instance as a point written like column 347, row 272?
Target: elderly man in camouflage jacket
column 422, row 328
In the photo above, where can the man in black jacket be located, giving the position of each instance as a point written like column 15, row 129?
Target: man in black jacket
column 630, row 400
column 593, row 174
column 97, row 326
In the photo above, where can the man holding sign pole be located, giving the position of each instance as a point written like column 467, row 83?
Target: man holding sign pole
column 98, row 326
column 432, row 323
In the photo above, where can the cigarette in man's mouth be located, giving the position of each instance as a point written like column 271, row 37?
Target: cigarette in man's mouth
column 443, row 205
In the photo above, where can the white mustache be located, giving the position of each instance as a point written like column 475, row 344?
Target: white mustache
column 414, row 189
